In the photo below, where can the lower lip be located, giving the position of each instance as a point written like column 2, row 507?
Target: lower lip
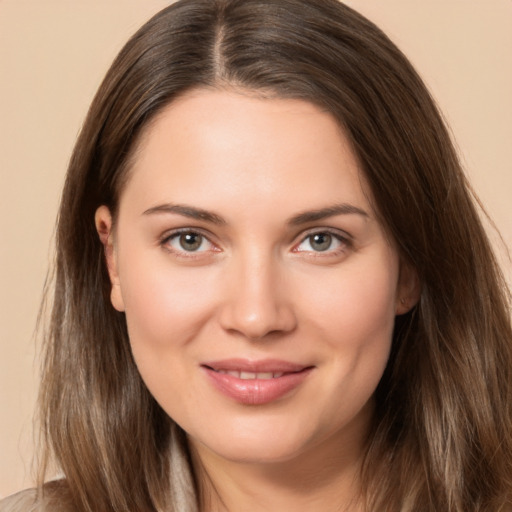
column 256, row 391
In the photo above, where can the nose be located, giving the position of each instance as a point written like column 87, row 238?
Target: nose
column 258, row 303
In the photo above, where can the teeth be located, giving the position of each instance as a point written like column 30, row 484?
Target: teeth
column 251, row 375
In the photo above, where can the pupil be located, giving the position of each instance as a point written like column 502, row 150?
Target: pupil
column 190, row 241
column 321, row 241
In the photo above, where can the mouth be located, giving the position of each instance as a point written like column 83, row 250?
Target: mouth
column 256, row 382
column 239, row 374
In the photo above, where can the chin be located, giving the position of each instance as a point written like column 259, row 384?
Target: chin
column 260, row 442
column 254, row 451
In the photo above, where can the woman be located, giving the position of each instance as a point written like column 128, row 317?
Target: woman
column 273, row 291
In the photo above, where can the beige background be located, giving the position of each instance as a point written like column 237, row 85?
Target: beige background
column 53, row 54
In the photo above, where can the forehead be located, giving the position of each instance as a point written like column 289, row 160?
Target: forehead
column 212, row 147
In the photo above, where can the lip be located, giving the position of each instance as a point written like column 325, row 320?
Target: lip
column 256, row 391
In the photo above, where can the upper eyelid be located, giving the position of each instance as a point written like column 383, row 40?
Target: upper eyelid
column 170, row 233
column 339, row 233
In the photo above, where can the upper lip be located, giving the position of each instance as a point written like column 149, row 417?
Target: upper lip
column 261, row 366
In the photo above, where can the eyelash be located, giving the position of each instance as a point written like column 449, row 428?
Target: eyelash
column 344, row 240
column 168, row 237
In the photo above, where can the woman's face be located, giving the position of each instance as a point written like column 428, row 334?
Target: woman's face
column 259, row 288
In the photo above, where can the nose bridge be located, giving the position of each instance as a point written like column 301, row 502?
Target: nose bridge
column 258, row 303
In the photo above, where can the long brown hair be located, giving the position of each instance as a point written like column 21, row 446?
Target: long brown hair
column 442, row 434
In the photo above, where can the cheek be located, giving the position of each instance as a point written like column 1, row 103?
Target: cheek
column 165, row 306
column 352, row 315
column 356, row 303
column 166, row 309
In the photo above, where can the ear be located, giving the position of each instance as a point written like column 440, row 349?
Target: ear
column 103, row 221
column 408, row 289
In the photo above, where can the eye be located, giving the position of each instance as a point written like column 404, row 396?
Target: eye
column 322, row 241
column 188, row 241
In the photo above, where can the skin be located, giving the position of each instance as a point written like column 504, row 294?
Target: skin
column 256, row 287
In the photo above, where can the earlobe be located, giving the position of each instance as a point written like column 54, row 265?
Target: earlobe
column 408, row 290
column 103, row 222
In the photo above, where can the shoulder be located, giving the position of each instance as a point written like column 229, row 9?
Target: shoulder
column 24, row 501
column 53, row 499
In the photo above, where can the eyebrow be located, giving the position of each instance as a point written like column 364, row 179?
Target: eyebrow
column 187, row 211
column 324, row 213
column 193, row 212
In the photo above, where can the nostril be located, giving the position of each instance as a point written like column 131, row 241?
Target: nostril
column 258, row 309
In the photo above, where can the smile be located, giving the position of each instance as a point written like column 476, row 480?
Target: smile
column 255, row 383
